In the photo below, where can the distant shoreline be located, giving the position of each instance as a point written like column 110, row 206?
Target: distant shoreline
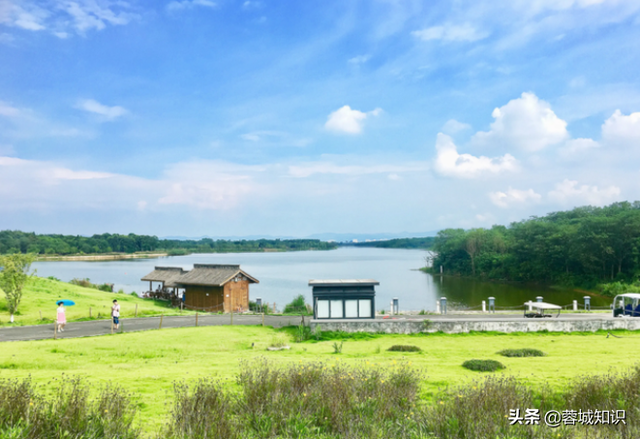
column 103, row 257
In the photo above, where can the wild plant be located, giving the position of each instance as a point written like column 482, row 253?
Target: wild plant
column 337, row 348
column 202, row 410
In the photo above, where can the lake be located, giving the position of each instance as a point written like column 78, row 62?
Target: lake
column 284, row 275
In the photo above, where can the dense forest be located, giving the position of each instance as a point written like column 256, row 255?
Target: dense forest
column 585, row 247
column 417, row 243
column 21, row 242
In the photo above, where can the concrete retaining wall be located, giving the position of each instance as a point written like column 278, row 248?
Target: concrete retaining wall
column 459, row 326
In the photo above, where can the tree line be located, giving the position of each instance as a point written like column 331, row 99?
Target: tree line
column 22, row 242
column 585, row 247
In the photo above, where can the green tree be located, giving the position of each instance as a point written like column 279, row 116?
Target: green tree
column 14, row 274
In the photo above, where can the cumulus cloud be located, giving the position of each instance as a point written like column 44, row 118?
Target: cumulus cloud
column 514, row 197
column 526, row 123
column 450, row 32
column 189, row 4
column 622, row 130
column 346, row 120
column 569, row 193
column 109, row 113
column 450, row 163
column 576, row 148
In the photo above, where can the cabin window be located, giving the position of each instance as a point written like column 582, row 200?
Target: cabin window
column 364, row 308
column 351, row 309
column 336, row 309
column 323, row 309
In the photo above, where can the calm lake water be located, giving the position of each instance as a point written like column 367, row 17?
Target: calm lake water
column 285, row 275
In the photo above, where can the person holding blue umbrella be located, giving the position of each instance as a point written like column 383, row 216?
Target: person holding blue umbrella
column 62, row 318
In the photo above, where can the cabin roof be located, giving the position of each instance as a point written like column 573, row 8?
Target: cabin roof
column 201, row 274
column 167, row 275
column 342, row 282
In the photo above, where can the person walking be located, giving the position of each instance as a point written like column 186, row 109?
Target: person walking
column 61, row 318
column 115, row 313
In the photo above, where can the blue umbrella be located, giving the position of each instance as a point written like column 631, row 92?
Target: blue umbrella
column 66, row 302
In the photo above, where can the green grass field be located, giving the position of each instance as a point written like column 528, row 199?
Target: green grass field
column 149, row 362
column 40, row 295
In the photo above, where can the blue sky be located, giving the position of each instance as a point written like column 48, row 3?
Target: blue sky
column 222, row 117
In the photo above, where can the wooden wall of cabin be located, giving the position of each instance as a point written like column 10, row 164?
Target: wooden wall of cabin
column 196, row 298
column 238, row 295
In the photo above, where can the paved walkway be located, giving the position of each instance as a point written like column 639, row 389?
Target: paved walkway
column 103, row 327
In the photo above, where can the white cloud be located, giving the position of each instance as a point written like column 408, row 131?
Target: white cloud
column 8, row 111
column 452, row 126
column 360, row 59
column 449, row 163
column 576, row 148
column 90, row 15
column 450, row 32
column 346, row 120
column 189, row 4
column 308, row 169
column 514, row 197
column 81, row 15
column 250, row 5
column 526, row 123
column 622, row 130
column 93, row 106
column 569, row 193
column 275, row 138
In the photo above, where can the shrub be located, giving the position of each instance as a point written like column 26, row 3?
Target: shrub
column 478, row 410
column 68, row 413
column 297, row 306
column 325, row 400
column 524, row 352
column 404, row 348
column 337, row 348
column 483, row 365
column 200, row 411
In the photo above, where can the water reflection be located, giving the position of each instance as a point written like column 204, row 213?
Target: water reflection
column 284, row 275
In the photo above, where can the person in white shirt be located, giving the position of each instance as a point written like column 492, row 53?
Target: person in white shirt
column 115, row 313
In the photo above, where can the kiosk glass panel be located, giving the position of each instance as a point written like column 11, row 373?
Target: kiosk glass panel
column 336, row 309
column 364, row 308
column 323, row 309
column 351, row 309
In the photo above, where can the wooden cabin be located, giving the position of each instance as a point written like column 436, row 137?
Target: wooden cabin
column 209, row 287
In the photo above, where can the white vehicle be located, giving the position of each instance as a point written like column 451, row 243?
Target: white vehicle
column 626, row 305
column 540, row 308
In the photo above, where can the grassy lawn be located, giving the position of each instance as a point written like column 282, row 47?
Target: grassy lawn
column 40, row 295
column 149, row 362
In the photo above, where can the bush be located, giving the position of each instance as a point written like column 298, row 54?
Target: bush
column 325, row 400
column 478, row 410
column 483, row 365
column 297, row 306
column 404, row 348
column 524, row 352
column 69, row 413
column 200, row 411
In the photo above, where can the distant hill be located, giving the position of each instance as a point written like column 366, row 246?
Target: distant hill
column 349, row 237
column 417, row 243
